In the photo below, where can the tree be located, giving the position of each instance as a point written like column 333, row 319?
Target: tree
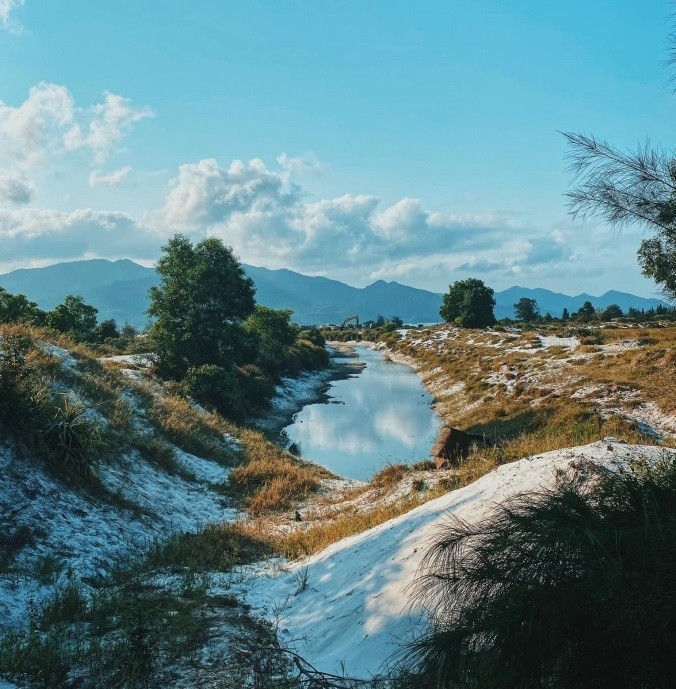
column 274, row 333
column 75, row 317
column 468, row 303
column 585, row 313
column 612, row 311
column 106, row 330
column 526, row 310
column 565, row 315
column 631, row 187
column 17, row 307
column 398, row 322
column 199, row 307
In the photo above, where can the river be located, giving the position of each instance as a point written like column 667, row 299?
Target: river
column 382, row 415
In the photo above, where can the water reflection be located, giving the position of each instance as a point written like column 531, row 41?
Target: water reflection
column 381, row 416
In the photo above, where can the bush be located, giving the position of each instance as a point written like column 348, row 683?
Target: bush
column 70, row 440
column 215, row 387
column 572, row 587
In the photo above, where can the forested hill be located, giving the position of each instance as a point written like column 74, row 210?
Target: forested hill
column 119, row 290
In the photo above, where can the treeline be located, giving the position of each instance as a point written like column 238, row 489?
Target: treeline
column 73, row 316
column 469, row 303
column 527, row 311
column 207, row 333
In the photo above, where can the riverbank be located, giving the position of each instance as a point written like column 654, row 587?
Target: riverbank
column 307, row 388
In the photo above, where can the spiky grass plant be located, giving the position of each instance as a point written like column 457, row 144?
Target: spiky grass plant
column 71, row 439
column 570, row 587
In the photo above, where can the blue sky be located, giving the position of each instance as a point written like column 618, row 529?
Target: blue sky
column 396, row 140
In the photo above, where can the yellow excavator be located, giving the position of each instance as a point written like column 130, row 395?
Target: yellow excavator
column 351, row 318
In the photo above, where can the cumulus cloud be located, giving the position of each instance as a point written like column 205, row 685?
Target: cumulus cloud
column 269, row 220
column 206, row 194
column 105, row 124
column 30, row 235
column 266, row 218
column 39, row 124
column 109, row 179
column 15, row 187
column 49, row 123
column 307, row 165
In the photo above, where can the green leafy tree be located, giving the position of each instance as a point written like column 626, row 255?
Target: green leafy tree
column 75, row 317
column 585, row 313
column 565, row 315
column 18, row 308
column 526, row 310
column 612, row 311
column 274, row 333
column 199, row 307
column 398, row 322
column 106, row 330
column 468, row 303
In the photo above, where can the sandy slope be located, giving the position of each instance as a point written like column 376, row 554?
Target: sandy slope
column 354, row 612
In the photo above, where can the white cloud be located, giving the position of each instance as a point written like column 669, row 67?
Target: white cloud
column 205, row 194
column 15, row 187
column 6, row 9
column 49, row 123
column 30, row 130
column 268, row 220
column 264, row 217
column 307, row 165
column 105, row 124
column 29, row 235
column 110, row 179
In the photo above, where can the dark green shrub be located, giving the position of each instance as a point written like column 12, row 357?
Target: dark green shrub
column 215, row 387
column 313, row 335
column 572, row 587
column 257, row 388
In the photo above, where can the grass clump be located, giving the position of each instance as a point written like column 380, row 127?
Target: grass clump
column 300, row 543
column 270, row 479
column 389, row 476
column 194, row 431
column 218, row 548
column 569, row 587
column 57, row 426
column 116, row 637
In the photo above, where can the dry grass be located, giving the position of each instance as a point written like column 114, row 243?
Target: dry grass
column 527, row 407
column 270, row 479
column 196, row 432
column 319, row 535
column 389, row 477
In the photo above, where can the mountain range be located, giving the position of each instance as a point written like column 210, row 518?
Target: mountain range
column 119, row 290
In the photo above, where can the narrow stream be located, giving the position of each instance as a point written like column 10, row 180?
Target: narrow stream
column 380, row 416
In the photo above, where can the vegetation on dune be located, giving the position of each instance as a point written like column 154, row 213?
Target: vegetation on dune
column 209, row 334
column 572, row 587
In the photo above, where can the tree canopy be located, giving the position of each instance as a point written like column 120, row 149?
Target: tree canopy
column 199, row 306
column 468, row 303
column 630, row 187
column 17, row 307
column 526, row 310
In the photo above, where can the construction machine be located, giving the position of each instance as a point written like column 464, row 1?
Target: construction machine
column 351, row 318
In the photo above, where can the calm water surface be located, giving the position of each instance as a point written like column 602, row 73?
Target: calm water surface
column 383, row 415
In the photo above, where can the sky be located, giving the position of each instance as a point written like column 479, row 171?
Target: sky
column 360, row 140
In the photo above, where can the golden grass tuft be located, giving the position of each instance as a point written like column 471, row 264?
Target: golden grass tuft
column 271, row 479
column 389, row 476
column 198, row 432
